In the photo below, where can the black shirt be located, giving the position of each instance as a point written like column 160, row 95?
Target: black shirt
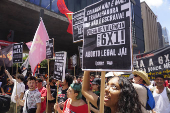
column 53, row 89
column 62, row 94
column 8, row 89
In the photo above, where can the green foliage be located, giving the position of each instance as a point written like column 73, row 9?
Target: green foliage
column 44, row 63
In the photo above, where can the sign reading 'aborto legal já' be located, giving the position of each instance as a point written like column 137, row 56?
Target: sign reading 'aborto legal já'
column 107, row 36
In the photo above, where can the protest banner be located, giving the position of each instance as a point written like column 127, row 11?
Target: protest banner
column 6, row 56
column 59, row 65
column 49, row 55
column 17, row 58
column 49, row 48
column 77, row 21
column 107, row 44
column 80, row 49
column 17, row 52
column 107, row 36
column 154, row 62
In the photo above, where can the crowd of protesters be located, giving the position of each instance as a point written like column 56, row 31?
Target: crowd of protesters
column 135, row 94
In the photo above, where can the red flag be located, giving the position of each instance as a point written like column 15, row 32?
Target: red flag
column 37, row 51
column 64, row 10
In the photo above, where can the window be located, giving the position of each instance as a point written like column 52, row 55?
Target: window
column 54, row 7
column 46, row 4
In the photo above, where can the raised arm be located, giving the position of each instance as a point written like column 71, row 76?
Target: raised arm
column 50, row 97
column 88, row 94
column 10, row 77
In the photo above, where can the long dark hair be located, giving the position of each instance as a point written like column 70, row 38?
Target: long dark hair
column 128, row 101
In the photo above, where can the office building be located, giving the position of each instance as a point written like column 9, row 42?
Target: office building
column 150, row 28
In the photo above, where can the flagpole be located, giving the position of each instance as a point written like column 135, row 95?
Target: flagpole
column 3, row 59
column 57, row 94
column 47, row 88
column 16, row 85
column 102, row 87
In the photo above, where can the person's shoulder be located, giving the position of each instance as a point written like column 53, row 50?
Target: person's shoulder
column 139, row 87
column 81, row 103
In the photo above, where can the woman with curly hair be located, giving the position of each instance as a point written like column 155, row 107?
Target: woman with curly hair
column 120, row 95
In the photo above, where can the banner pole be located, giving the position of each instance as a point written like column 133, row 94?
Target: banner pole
column 47, row 88
column 102, row 92
column 3, row 60
column 16, row 85
column 74, row 70
column 88, row 103
column 57, row 94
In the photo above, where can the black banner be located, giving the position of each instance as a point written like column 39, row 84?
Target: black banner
column 17, row 52
column 60, row 65
column 78, row 20
column 154, row 62
column 80, row 49
column 107, row 36
column 49, row 48
column 6, row 56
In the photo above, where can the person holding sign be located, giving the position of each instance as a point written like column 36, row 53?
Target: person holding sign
column 74, row 103
column 20, row 91
column 120, row 95
column 62, row 91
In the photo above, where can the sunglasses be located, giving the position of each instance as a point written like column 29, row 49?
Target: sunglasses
column 136, row 75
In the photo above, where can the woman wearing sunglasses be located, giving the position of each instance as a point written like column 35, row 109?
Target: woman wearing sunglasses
column 120, row 95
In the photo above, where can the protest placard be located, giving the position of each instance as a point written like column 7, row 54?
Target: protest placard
column 74, row 60
column 49, row 48
column 17, row 53
column 107, row 36
column 78, row 20
column 80, row 49
column 60, row 65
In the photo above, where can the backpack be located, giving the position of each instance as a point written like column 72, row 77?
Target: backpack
column 4, row 103
column 150, row 104
column 167, row 91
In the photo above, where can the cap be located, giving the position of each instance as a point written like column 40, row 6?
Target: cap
column 96, row 81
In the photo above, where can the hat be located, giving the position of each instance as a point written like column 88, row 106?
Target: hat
column 143, row 75
column 109, row 74
column 131, row 76
column 96, row 81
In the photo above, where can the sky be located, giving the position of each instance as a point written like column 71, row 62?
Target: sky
column 161, row 8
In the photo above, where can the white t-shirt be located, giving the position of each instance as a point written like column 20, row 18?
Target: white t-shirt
column 33, row 97
column 162, row 104
column 20, row 89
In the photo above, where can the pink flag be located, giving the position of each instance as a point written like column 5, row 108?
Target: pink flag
column 29, row 44
column 37, row 51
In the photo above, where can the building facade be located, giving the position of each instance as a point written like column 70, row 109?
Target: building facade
column 161, row 40
column 76, row 5
column 150, row 28
column 165, row 34
column 137, row 22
